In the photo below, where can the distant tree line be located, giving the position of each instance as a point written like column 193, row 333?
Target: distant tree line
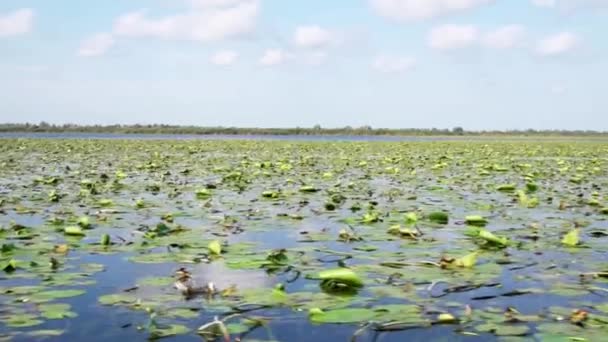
column 44, row 127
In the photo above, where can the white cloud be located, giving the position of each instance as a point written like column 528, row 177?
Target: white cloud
column 403, row 10
column 506, row 37
column 450, row 37
column 544, row 3
column 393, row 64
column 313, row 37
column 208, row 23
column 273, row 57
column 96, row 45
column 557, row 44
column 15, row 23
column 570, row 5
column 224, row 58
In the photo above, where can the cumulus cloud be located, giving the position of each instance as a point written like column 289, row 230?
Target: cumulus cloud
column 313, row 37
column 557, row 44
column 273, row 57
column 570, row 5
column 450, row 37
column 505, row 37
column 224, row 58
column 16, row 23
column 219, row 20
column 544, row 3
column 392, row 64
column 96, row 45
column 404, row 10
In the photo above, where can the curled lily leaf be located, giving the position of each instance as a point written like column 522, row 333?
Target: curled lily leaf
column 572, row 238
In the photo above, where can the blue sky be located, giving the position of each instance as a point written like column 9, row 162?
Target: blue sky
column 480, row 64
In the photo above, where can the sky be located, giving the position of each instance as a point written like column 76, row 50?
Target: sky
column 478, row 64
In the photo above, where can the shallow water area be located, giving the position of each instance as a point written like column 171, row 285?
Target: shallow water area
column 423, row 240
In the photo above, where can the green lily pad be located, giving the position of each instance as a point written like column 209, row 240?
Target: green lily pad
column 56, row 311
column 47, row 296
column 343, row 316
column 342, row 275
column 114, row 299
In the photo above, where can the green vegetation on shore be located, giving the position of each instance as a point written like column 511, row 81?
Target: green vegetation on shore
column 44, row 127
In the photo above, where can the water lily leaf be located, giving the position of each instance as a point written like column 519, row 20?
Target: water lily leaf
column 9, row 265
column 411, row 218
column 270, row 194
column 47, row 296
column 246, row 262
column 532, row 187
column 506, row 187
column 114, row 299
column 183, row 313
column 468, row 260
column 156, row 281
column 106, row 202
column 404, row 232
column 492, row 238
column 203, row 194
column 84, row 222
column 61, row 249
column 342, row 275
column 237, row 328
column 215, row 247
column 105, row 240
column 7, row 248
column 439, row 217
column 166, row 331
column 572, row 238
column 446, row 318
column 366, row 248
column 476, row 220
column 341, row 316
column 308, row 188
column 21, row 320
column 74, row 231
column 371, row 217
column 504, row 329
column 56, row 311
column 22, row 290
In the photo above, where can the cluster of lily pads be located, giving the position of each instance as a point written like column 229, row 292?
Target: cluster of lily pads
column 247, row 239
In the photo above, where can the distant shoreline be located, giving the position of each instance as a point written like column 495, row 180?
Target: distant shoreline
column 316, row 131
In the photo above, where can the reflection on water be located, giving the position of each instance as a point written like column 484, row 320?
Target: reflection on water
column 222, row 277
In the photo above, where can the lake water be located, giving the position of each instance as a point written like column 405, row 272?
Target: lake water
column 329, row 205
